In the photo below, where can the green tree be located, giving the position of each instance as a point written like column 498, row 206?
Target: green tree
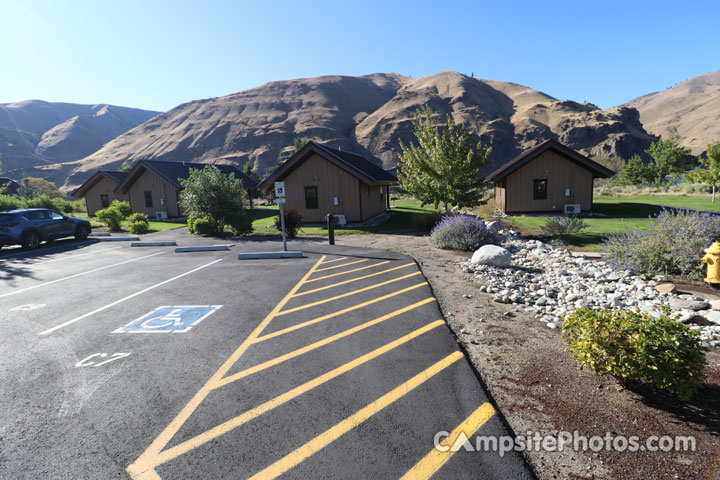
column 252, row 192
column 634, row 172
column 711, row 160
column 208, row 193
column 668, row 158
column 299, row 143
column 444, row 167
column 40, row 186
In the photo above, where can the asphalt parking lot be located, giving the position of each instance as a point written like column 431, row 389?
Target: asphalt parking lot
column 144, row 363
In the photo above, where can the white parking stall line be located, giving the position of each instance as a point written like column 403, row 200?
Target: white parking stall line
column 14, row 292
column 98, row 310
column 67, row 257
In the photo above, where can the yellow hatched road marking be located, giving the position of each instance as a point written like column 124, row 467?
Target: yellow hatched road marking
column 336, row 314
column 334, row 260
column 316, row 345
column 144, row 467
column 225, row 427
column 352, row 280
column 348, row 271
column 354, row 292
column 433, row 461
column 324, row 439
column 343, row 265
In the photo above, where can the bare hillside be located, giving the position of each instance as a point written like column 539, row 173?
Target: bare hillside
column 34, row 132
column 368, row 115
column 689, row 110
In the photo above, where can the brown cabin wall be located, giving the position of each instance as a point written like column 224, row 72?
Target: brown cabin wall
column 560, row 173
column 356, row 200
column 500, row 195
column 104, row 187
column 160, row 189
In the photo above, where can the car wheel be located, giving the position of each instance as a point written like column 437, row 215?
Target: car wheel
column 82, row 232
column 30, row 240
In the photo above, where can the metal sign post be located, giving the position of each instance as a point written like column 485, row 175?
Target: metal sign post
column 280, row 196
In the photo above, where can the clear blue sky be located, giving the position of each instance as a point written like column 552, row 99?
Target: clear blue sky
column 156, row 54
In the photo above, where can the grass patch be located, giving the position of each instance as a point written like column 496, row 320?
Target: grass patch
column 154, row 226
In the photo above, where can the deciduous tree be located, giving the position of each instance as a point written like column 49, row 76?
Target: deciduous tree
column 668, row 158
column 711, row 160
column 444, row 167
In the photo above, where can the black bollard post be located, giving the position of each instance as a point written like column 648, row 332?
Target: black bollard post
column 331, row 228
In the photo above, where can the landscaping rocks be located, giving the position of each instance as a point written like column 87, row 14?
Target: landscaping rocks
column 491, row 255
column 550, row 283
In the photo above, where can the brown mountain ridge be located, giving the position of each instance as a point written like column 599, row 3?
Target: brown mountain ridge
column 368, row 115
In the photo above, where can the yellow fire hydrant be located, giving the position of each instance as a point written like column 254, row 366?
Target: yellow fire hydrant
column 712, row 258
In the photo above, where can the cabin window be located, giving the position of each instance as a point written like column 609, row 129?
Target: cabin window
column 148, row 198
column 540, row 189
column 104, row 202
column 311, row 198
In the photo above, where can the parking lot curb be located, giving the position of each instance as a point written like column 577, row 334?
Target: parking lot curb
column 118, row 239
column 153, row 244
column 208, row 248
column 259, row 255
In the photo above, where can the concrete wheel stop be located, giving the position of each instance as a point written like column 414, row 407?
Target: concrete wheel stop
column 264, row 255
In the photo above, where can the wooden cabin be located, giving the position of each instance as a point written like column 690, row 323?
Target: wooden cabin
column 321, row 180
column 547, row 178
column 99, row 190
column 153, row 186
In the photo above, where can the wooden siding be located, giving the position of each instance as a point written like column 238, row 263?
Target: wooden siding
column 160, row 188
column 500, row 195
column 560, row 173
column 104, row 187
column 331, row 182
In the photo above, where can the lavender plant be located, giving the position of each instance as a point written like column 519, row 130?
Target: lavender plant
column 462, row 232
column 672, row 244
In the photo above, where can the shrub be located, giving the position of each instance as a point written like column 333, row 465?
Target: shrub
column 41, row 201
column 79, row 206
column 462, row 232
column 293, row 222
column 424, row 222
column 240, row 223
column 636, row 347
column 111, row 217
column 8, row 202
column 123, row 207
column 138, row 226
column 62, row 205
column 562, row 226
column 672, row 244
column 137, row 217
column 205, row 226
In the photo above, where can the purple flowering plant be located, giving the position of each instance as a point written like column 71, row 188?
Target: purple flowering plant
column 462, row 232
column 672, row 244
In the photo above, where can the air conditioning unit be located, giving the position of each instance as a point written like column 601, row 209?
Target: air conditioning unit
column 161, row 215
column 572, row 209
column 339, row 219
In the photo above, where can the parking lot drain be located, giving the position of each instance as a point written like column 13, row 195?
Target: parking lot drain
column 206, row 248
column 260, row 255
column 153, row 244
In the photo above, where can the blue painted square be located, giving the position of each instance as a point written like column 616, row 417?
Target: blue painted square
column 177, row 319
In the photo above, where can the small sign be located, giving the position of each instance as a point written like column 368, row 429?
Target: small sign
column 280, row 200
column 280, row 189
column 177, row 319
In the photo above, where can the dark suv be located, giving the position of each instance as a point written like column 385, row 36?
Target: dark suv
column 31, row 226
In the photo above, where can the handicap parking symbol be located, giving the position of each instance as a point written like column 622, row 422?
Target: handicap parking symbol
column 177, row 319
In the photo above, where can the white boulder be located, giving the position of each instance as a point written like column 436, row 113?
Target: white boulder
column 492, row 255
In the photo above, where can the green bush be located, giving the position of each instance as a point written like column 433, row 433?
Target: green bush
column 111, row 217
column 562, row 226
column 205, row 226
column 137, row 217
column 79, row 206
column 293, row 222
column 636, row 347
column 240, row 223
column 41, row 201
column 124, row 207
column 62, row 205
column 8, row 202
column 139, row 226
